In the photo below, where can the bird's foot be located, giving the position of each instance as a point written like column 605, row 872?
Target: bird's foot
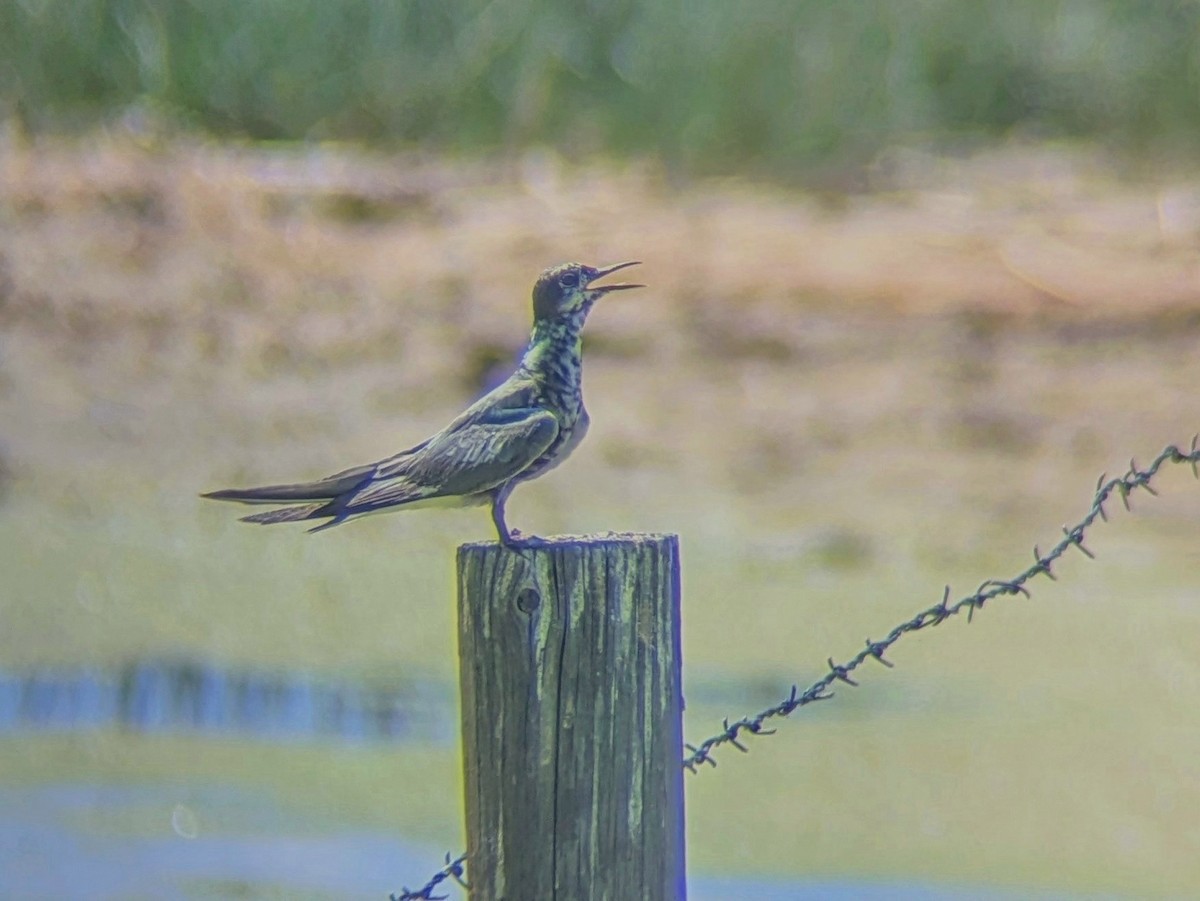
column 516, row 539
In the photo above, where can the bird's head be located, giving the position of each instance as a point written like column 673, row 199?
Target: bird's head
column 566, row 291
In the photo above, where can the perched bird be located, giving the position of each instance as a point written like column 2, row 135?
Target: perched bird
column 522, row 428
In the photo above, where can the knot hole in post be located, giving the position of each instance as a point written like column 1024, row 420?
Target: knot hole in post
column 528, row 600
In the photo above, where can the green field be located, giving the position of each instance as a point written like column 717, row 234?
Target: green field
column 833, row 443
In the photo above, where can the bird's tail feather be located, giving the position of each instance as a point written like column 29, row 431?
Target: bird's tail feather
column 292, row 514
column 320, row 490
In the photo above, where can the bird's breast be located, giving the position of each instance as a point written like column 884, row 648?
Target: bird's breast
column 571, row 431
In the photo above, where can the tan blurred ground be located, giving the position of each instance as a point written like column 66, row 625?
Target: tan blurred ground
column 998, row 301
column 841, row 402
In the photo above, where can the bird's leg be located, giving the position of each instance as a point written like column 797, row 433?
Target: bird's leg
column 498, row 501
column 510, row 538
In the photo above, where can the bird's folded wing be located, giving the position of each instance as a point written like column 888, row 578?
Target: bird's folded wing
column 474, row 457
column 506, row 405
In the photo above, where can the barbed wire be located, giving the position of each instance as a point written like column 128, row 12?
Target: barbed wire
column 453, row 870
column 735, row 733
column 1042, row 564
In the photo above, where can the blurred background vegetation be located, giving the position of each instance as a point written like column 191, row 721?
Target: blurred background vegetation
column 772, row 87
column 919, row 271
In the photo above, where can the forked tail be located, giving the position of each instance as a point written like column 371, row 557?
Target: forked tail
column 297, row 514
column 316, row 500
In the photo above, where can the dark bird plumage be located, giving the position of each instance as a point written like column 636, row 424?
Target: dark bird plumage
column 524, row 427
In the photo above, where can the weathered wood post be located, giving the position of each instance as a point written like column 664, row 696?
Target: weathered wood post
column 571, row 713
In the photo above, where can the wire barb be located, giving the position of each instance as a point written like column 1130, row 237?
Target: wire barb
column 840, row 673
column 1075, row 536
column 876, row 648
column 453, row 870
column 1042, row 565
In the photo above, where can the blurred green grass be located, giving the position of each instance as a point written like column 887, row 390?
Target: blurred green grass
column 771, row 87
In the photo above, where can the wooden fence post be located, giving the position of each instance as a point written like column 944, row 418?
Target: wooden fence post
column 571, row 714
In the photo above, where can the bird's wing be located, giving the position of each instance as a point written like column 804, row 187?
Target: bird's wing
column 468, row 458
column 487, row 444
column 514, row 395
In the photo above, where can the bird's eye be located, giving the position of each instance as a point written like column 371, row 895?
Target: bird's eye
column 569, row 279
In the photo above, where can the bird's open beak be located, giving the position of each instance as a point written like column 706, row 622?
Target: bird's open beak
column 619, row 286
